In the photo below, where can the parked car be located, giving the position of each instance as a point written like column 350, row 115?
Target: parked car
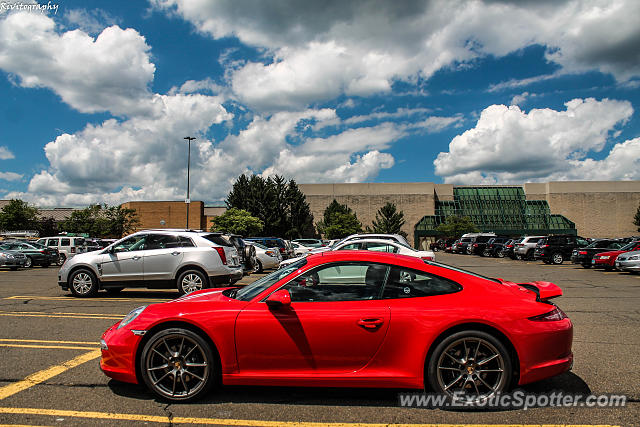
column 376, row 245
column 526, row 248
column 272, row 242
column 629, row 261
column 247, row 253
column 449, row 246
column 12, row 259
column 508, row 249
column 584, row 256
column 185, row 259
column 67, row 246
column 441, row 244
column 607, row 260
column 266, row 257
column 494, row 246
column 479, row 243
column 462, row 245
column 34, row 253
column 299, row 249
column 291, row 252
column 558, row 248
column 348, row 319
column 310, row 243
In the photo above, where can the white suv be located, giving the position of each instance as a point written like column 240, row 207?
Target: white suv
column 67, row 246
column 188, row 260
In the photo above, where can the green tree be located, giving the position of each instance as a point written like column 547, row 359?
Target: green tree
column 18, row 215
column 47, row 227
column 338, row 221
column 456, row 226
column 279, row 204
column 101, row 221
column 389, row 220
column 636, row 218
column 237, row 221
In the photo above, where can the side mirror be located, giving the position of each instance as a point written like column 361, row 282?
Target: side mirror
column 278, row 299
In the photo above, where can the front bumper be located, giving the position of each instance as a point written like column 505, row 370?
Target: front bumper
column 118, row 358
column 628, row 265
column 16, row 262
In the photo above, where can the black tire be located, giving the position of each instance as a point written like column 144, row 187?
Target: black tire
column 469, row 250
column 28, row 263
column 556, row 258
column 14, row 268
column 259, row 268
column 83, row 283
column 500, row 254
column 445, row 374
column 486, row 253
column 46, row 265
column 529, row 255
column 183, row 378
column 61, row 259
column 114, row 291
column 190, row 281
column 586, row 265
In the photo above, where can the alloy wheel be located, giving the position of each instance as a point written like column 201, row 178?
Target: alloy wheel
column 28, row 263
column 471, row 367
column 82, row 283
column 557, row 258
column 191, row 282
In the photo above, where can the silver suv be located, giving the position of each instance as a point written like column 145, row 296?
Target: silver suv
column 525, row 248
column 188, row 260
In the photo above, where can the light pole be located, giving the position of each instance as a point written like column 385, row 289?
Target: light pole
column 188, row 201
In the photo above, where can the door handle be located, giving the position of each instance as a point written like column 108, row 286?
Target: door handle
column 135, row 258
column 370, row 323
column 175, row 253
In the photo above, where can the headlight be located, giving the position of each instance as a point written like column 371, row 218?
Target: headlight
column 131, row 316
column 633, row 258
column 604, row 257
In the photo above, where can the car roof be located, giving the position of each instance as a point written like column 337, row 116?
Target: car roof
column 385, row 257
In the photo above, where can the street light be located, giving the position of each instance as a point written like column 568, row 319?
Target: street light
column 188, row 200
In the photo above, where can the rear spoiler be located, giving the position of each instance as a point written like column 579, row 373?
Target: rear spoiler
column 544, row 290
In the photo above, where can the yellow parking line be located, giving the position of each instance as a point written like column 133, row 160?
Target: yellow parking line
column 23, row 297
column 59, row 312
column 67, row 347
column 233, row 422
column 49, row 341
column 38, row 377
column 51, row 315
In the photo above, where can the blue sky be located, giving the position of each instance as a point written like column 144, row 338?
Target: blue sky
column 97, row 97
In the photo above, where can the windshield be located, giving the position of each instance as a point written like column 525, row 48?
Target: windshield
column 450, row 267
column 258, row 245
column 256, row 288
column 629, row 247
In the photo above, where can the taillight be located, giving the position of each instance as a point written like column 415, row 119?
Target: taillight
column 544, row 246
column 475, row 245
column 223, row 256
column 281, row 250
column 552, row 316
column 582, row 252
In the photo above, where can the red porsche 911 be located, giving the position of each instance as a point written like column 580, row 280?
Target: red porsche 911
column 352, row 319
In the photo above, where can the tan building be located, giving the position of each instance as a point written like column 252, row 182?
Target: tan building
column 592, row 208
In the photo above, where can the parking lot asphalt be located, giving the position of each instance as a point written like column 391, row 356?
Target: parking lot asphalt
column 49, row 356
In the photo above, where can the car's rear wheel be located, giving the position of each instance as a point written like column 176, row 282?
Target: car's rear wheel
column 61, row 259
column 83, row 283
column 556, row 258
column 500, row 254
column 28, row 263
column 472, row 364
column 190, row 281
column 486, row 252
column 259, row 268
column 177, row 365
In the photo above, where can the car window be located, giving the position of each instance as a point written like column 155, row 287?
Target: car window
column 341, row 281
column 614, row 245
column 22, row 246
column 185, row 242
column 133, row 243
column 161, row 241
column 256, row 288
column 351, row 247
column 581, row 242
column 381, row 247
column 65, row 242
column 408, row 283
column 52, row 242
column 217, row 239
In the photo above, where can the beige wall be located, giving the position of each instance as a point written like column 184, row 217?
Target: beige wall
column 415, row 199
column 598, row 208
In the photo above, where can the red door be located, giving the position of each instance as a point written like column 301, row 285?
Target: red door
column 321, row 337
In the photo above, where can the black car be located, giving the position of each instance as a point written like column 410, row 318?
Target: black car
column 584, row 255
column 478, row 244
column 36, row 253
column 558, row 248
column 508, row 249
column 494, row 246
column 462, row 245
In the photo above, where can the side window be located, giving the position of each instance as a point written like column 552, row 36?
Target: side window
column 351, row 247
column 344, row 281
column 185, row 242
column 52, row 243
column 614, row 245
column 65, row 242
column 581, row 242
column 134, row 243
column 160, row 241
column 381, row 247
column 406, row 283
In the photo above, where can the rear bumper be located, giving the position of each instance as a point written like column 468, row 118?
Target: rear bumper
column 225, row 279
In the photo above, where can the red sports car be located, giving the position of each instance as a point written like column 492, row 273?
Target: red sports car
column 352, row 319
column 607, row 260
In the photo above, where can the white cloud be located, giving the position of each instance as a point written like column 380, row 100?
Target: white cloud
column 109, row 73
column 323, row 49
column 435, row 124
column 5, row 153
column 198, row 86
column 10, row 176
column 509, row 145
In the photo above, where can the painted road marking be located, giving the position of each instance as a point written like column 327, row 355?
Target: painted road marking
column 59, row 312
column 57, row 315
column 38, row 377
column 67, row 347
column 28, row 297
column 49, row 341
column 249, row 423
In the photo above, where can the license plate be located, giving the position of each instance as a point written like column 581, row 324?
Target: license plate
column 593, row 261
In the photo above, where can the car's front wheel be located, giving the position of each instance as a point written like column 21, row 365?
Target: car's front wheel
column 556, row 258
column 83, row 283
column 473, row 365
column 61, row 259
column 177, row 365
column 190, row 281
column 259, row 268
column 28, row 263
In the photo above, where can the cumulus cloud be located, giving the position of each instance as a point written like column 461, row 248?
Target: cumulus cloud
column 509, row 145
column 5, row 153
column 10, row 176
column 319, row 50
column 111, row 72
